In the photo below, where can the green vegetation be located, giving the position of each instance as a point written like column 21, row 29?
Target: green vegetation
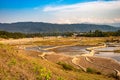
column 60, row 78
column 12, row 62
column 16, row 35
column 96, row 33
column 41, row 73
column 90, row 70
column 16, row 67
column 66, row 66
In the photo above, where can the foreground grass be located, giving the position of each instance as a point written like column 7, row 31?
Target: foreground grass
column 17, row 65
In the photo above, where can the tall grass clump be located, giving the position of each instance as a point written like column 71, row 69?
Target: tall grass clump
column 41, row 72
column 66, row 66
column 93, row 71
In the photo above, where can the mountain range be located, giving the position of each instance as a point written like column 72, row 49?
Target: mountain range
column 35, row 27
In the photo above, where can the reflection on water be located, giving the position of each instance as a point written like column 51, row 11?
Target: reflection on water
column 72, row 50
column 38, row 48
column 109, row 54
column 107, row 49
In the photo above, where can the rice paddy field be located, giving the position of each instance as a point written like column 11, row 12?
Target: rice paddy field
column 48, row 63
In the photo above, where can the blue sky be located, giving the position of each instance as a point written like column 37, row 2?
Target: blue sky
column 60, row 11
column 21, row 4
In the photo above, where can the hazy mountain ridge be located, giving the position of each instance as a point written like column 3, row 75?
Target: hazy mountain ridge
column 115, row 24
column 32, row 27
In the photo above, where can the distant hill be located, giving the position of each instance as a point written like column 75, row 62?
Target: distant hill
column 115, row 24
column 33, row 27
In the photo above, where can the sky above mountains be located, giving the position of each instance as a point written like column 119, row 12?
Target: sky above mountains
column 60, row 11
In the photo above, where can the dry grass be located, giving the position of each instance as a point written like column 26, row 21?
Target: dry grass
column 18, row 64
column 59, row 41
column 53, row 41
column 22, row 65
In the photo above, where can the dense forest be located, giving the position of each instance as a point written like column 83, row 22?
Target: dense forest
column 96, row 33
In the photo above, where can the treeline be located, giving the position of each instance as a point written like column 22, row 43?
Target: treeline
column 96, row 33
column 16, row 35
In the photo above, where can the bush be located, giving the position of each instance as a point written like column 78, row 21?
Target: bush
column 41, row 72
column 60, row 78
column 90, row 70
column 12, row 62
column 66, row 66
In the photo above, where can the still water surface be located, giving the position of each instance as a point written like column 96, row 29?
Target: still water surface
column 78, row 50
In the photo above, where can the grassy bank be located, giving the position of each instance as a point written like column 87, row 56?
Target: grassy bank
column 16, row 64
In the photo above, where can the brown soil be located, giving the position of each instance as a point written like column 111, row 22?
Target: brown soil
column 103, row 65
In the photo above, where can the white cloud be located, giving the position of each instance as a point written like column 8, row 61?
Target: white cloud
column 87, row 20
column 86, row 6
column 93, row 12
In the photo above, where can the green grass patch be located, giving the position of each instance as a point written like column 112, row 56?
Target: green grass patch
column 12, row 62
column 60, row 78
column 41, row 72
column 93, row 71
column 66, row 66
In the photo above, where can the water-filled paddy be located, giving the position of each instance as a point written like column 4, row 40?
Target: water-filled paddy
column 78, row 50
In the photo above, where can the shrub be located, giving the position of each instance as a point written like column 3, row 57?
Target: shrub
column 12, row 62
column 60, row 78
column 41, row 73
column 66, row 66
column 90, row 70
